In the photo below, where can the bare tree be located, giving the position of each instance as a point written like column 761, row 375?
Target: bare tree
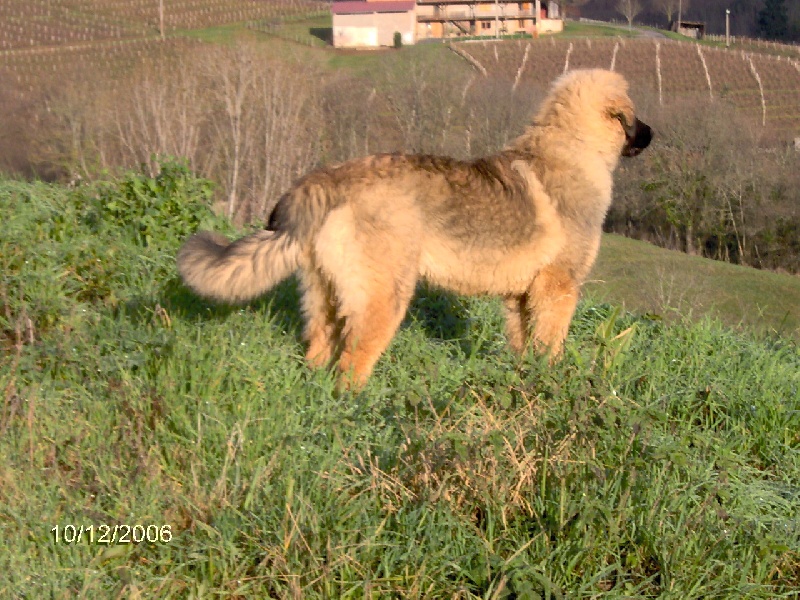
column 423, row 98
column 67, row 143
column 235, row 80
column 629, row 9
column 671, row 8
column 288, row 125
column 161, row 110
column 351, row 117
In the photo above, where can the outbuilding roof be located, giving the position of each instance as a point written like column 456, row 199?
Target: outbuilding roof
column 358, row 7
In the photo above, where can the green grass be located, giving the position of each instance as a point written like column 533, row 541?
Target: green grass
column 645, row 278
column 316, row 31
column 654, row 461
column 221, row 34
column 577, row 29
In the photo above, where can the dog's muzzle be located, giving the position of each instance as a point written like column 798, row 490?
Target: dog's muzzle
column 637, row 138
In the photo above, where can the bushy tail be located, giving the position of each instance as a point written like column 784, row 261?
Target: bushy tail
column 235, row 272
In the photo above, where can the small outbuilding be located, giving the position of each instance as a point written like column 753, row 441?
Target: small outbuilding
column 692, row 29
column 373, row 23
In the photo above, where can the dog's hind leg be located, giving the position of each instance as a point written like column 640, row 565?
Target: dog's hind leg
column 319, row 310
column 368, row 331
column 552, row 299
column 372, row 262
column 517, row 321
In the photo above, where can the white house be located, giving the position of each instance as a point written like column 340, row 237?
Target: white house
column 373, row 23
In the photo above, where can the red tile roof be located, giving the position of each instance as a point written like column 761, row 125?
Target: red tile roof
column 357, row 7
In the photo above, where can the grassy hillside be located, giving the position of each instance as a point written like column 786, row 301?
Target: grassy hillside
column 645, row 278
column 654, row 461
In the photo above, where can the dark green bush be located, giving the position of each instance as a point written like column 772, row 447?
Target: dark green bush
column 167, row 207
column 65, row 249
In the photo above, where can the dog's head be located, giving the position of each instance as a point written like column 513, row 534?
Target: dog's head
column 595, row 106
column 619, row 109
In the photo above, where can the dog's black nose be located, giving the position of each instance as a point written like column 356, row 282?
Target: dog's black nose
column 641, row 138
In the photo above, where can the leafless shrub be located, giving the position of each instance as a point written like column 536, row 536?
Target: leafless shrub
column 352, row 115
column 64, row 128
column 426, row 105
column 671, row 293
column 163, row 109
column 248, row 123
column 708, row 186
column 290, row 133
column 497, row 114
column 18, row 115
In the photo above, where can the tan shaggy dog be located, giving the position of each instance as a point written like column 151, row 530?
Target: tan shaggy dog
column 524, row 224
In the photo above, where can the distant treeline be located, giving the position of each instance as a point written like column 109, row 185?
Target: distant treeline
column 749, row 18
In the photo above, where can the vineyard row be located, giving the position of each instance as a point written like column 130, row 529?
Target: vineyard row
column 759, row 84
column 35, row 23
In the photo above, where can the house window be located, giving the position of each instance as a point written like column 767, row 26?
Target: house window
column 486, row 25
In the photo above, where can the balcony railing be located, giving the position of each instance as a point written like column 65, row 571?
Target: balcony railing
column 464, row 16
column 473, row 2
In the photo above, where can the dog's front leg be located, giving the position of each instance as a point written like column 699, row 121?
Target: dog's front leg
column 551, row 301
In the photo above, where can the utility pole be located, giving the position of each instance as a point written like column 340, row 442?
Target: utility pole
column 727, row 27
column 496, row 19
column 680, row 14
column 161, row 18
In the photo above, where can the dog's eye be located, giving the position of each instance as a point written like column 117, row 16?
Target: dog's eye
column 628, row 126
